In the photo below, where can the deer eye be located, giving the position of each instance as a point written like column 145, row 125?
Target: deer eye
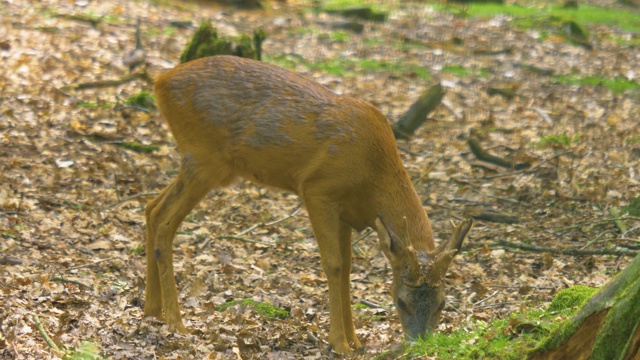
column 402, row 305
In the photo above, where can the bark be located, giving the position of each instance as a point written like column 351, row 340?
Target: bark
column 605, row 328
column 418, row 111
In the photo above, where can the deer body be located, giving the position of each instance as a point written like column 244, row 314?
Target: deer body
column 233, row 117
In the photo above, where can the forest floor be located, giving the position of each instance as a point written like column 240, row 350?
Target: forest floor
column 72, row 196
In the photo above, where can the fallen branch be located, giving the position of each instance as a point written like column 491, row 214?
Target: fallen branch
column 597, row 222
column 371, row 304
column 92, row 263
column 483, row 155
column 131, row 198
column 70, row 281
column 418, row 111
column 495, row 217
column 44, row 334
column 262, row 224
column 572, row 252
column 107, row 83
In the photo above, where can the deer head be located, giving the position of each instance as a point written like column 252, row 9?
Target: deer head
column 418, row 277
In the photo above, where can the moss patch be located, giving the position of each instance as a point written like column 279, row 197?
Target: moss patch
column 265, row 309
column 572, row 297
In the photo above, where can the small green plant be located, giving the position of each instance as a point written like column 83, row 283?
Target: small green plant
column 169, row 30
column 340, row 36
column 265, row 309
column 87, row 350
column 558, row 141
column 138, row 250
column 143, row 99
column 457, row 70
column 94, row 105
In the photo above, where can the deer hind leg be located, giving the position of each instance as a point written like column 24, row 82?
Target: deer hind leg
column 164, row 215
column 345, row 285
column 326, row 225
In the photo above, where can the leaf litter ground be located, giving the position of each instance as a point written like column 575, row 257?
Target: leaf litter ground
column 72, row 201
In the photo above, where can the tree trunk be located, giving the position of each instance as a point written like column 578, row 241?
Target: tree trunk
column 607, row 326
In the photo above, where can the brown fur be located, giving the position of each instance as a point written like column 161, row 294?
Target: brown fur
column 233, row 117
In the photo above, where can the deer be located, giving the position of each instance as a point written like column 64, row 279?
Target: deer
column 238, row 118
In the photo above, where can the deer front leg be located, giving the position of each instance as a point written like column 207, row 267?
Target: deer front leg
column 326, row 228
column 345, row 285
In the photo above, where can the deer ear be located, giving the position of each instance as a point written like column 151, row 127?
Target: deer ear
column 389, row 242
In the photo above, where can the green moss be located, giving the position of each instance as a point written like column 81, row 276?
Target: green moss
column 558, row 140
column 206, row 42
column 265, row 309
column 574, row 296
column 88, row 350
column 615, row 337
column 532, row 15
column 94, row 105
column 143, row 99
column 617, row 85
column 508, row 338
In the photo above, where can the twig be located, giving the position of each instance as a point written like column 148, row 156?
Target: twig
column 44, row 334
column 92, row 263
column 573, row 252
column 426, row 173
column 543, row 114
column 366, row 233
column 294, row 213
column 520, row 286
column 131, row 198
column 483, row 155
column 115, row 184
column 597, row 222
column 371, row 304
column 108, row 83
column 70, row 281
column 138, row 108
column 254, row 226
column 233, row 237
column 590, row 242
column 630, row 230
column 485, row 299
column 529, row 171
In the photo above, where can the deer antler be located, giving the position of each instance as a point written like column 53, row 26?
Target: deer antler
column 445, row 253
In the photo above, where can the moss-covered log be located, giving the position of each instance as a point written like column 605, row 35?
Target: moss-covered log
column 606, row 327
column 206, row 42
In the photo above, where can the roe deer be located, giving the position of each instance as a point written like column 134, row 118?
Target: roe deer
column 233, row 117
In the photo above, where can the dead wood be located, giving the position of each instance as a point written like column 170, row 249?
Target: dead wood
column 483, row 155
column 573, row 252
column 606, row 327
column 410, row 121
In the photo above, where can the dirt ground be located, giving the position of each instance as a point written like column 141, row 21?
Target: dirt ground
column 72, row 200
